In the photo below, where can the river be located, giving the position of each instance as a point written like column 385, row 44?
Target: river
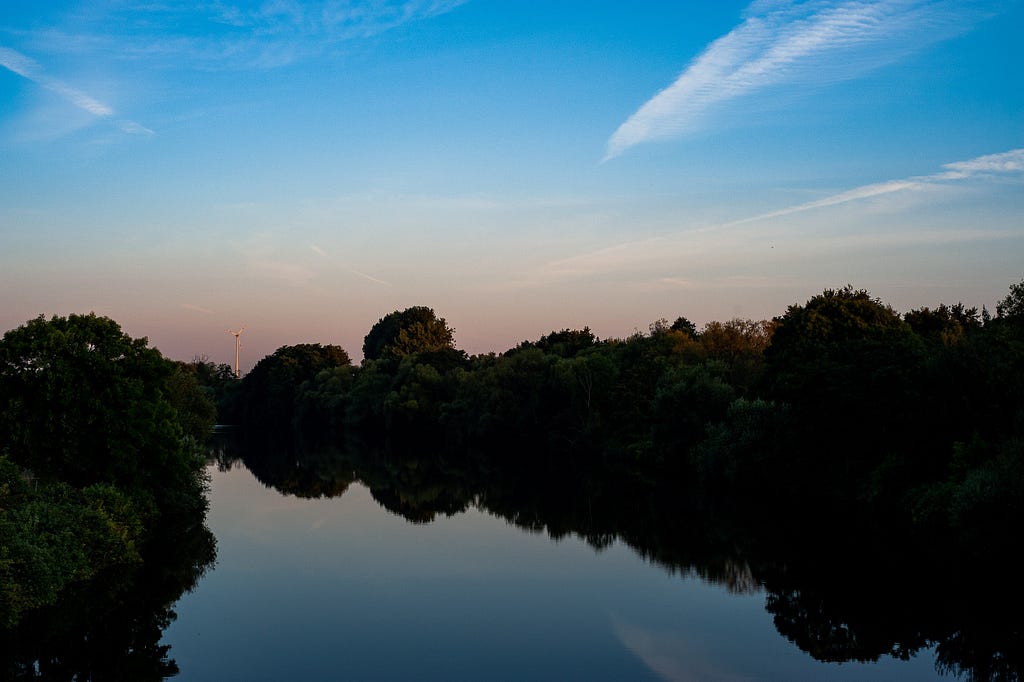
column 340, row 588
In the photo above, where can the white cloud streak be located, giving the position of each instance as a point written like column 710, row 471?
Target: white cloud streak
column 1004, row 166
column 225, row 36
column 365, row 276
column 1005, row 163
column 30, row 69
column 790, row 43
column 320, row 252
column 856, row 194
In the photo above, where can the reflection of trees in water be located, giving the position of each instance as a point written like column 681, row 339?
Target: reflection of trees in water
column 318, row 472
column 864, row 611
column 109, row 628
column 417, row 489
column 864, row 592
column 736, row 576
column 841, row 589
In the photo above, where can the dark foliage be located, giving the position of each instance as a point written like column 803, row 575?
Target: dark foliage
column 266, row 397
column 403, row 332
column 99, row 449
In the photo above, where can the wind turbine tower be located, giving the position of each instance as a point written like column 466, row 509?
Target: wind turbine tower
column 237, row 345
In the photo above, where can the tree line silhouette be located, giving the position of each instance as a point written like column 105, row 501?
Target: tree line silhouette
column 841, row 405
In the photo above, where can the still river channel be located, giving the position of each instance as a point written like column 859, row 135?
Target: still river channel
column 342, row 589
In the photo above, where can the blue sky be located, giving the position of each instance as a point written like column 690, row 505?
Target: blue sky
column 305, row 168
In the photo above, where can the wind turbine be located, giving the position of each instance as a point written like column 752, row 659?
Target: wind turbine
column 237, row 345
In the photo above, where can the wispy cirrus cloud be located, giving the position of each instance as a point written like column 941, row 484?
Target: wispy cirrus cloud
column 783, row 43
column 225, row 35
column 1005, row 163
column 990, row 164
column 702, row 243
column 320, row 252
column 28, row 68
column 201, row 36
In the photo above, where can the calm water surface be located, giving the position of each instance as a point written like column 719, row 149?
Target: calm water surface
column 335, row 589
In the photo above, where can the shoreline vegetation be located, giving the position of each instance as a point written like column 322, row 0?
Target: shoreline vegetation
column 841, row 403
column 102, row 499
column 840, row 421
